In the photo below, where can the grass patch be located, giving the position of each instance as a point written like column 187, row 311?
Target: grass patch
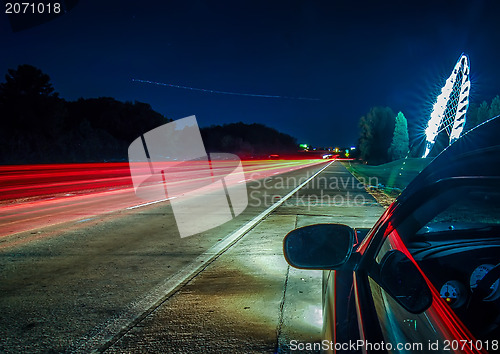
column 390, row 178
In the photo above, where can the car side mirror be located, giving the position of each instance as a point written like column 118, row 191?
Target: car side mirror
column 320, row 246
column 400, row 277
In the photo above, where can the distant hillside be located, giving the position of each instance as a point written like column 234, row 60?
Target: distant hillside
column 247, row 139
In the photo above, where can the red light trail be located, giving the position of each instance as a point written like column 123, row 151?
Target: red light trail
column 447, row 322
column 36, row 196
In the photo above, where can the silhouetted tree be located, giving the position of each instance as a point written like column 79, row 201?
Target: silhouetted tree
column 400, row 140
column 28, row 101
column 477, row 115
column 495, row 107
column 32, row 115
column 483, row 113
column 377, row 129
column 26, row 80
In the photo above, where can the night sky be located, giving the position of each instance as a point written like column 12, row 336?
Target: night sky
column 350, row 55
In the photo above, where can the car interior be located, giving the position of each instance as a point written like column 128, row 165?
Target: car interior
column 455, row 239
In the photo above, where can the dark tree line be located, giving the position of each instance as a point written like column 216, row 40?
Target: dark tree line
column 377, row 131
column 247, row 139
column 477, row 114
column 40, row 127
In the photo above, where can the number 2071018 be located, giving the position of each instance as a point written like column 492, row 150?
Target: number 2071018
column 32, row 8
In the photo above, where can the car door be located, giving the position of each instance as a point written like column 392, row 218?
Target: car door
column 445, row 236
column 433, row 330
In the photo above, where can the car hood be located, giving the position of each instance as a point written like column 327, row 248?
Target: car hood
column 476, row 153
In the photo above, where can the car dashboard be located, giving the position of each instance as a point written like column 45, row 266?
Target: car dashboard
column 455, row 262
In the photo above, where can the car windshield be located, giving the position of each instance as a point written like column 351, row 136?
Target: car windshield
column 476, row 208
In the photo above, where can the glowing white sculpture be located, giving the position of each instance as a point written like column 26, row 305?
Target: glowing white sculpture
column 448, row 113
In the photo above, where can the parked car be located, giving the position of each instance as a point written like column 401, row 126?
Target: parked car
column 425, row 278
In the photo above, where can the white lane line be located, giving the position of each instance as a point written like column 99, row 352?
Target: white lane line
column 156, row 201
column 85, row 220
column 107, row 333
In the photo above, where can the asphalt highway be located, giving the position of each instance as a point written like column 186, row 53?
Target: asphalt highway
column 105, row 271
